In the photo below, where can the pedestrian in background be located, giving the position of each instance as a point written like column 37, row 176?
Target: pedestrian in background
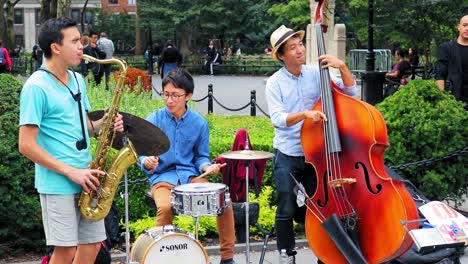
column 157, row 56
column 5, row 60
column 170, row 58
column 93, row 50
column 36, row 55
column 149, row 60
column 413, row 61
column 212, row 58
column 107, row 46
column 451, row 68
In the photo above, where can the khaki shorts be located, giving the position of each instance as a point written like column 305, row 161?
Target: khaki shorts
column 63, row 224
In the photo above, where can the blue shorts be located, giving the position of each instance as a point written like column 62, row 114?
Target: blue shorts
column 63, row 224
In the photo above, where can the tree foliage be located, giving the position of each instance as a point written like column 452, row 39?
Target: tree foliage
column 419, row 24
column 191, row 23
column 295, row 12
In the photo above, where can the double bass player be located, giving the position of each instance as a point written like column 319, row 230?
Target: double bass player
column 291, row 92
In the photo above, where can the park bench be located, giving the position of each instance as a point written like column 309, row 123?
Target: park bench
column 250, row 65
column 20, row 65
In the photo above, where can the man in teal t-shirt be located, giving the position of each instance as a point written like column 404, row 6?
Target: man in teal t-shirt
column 54, row 134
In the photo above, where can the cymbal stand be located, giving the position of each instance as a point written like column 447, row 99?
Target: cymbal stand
column 247, row 224
column 125, row 197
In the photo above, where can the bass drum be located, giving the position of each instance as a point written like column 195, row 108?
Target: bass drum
column 167, row 244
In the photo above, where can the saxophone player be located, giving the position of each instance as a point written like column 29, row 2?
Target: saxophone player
column 55, row 134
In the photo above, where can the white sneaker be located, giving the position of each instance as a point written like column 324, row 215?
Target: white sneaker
column 285, row 259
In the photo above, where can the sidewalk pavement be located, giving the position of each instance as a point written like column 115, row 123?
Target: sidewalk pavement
column 304, row 254
column 231, row 91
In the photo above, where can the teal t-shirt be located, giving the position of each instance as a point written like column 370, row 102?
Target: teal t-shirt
column 49, row 105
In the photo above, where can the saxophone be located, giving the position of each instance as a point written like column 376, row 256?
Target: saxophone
column 95, row 205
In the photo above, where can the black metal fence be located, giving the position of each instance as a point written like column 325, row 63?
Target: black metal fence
column 211, row 98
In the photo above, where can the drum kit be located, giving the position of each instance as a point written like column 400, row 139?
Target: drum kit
column 169, row 244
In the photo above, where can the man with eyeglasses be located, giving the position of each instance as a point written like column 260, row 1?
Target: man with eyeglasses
column 187, row 157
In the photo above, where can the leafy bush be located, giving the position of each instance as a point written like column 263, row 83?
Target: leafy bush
column 266, row 217
column 20, row 221
column 136, row 79
column 424, row 122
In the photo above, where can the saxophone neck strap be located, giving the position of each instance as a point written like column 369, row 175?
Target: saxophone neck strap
column 80, row 144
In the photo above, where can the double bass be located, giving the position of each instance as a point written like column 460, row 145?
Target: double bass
column 356, row 212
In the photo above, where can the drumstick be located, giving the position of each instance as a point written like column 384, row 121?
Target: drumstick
column 206, row 173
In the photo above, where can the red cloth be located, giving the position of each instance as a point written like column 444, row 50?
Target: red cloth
column 234, row 172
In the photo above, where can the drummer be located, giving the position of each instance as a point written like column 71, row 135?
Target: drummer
column 187, row 157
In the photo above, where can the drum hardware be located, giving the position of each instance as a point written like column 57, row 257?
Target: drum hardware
column 247, row 156
column 127, row 230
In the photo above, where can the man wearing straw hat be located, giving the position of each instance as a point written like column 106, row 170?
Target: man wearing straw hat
column 291, row 92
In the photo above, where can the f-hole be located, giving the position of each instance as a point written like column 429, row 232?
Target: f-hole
column 325, row 191
column 378, row 187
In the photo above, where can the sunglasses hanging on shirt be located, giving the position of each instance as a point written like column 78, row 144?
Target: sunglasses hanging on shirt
column 80, row 144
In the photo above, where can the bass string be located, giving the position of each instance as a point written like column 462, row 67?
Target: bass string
column 331, row 135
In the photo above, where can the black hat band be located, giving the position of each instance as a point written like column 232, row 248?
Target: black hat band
column 285, row 36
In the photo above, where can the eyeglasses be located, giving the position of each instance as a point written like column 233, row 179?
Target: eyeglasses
column 174, row 97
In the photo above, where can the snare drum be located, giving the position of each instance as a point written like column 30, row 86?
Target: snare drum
column 167, row 244
column 200, row 199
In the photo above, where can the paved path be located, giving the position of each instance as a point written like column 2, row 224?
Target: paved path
column 304, row 254
column 231, row 91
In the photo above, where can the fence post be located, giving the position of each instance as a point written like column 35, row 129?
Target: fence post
column 253, row 99
column 210, row 98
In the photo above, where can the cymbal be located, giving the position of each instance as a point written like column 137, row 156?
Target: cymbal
column 147, row 138
column 247, row 155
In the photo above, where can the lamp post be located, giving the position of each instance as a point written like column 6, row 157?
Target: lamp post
column 372, row 81
column 370, row 55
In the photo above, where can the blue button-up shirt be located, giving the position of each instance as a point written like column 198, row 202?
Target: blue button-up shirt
column 189, row 150
column 287, row 94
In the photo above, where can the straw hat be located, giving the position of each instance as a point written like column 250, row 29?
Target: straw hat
column 280, row 36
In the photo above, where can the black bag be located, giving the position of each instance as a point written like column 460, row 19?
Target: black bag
column 239, row 218
column 113, row 231
column 412, row 256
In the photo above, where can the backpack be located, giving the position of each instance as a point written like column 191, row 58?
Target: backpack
column 2, row 57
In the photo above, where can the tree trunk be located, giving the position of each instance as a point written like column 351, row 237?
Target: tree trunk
column 9, row 41
column 45, row 11
column 185, row 41
column 3, row 24
column 139, row 36
column 63, row 8
column 53, row 8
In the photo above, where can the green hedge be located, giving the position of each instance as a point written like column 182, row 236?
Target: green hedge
column 424, row 123
column 20, row 221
